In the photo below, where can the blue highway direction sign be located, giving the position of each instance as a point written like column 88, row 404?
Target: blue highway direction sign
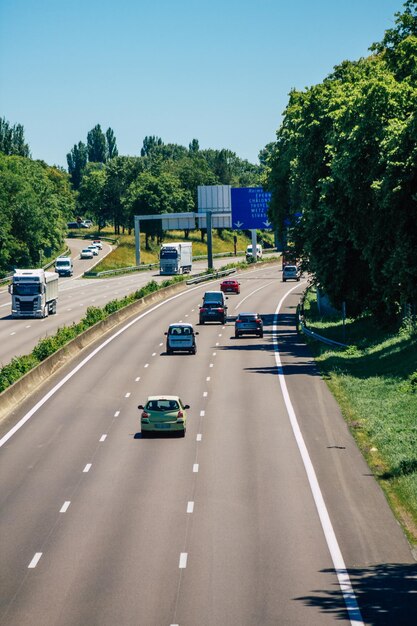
column 250, row 208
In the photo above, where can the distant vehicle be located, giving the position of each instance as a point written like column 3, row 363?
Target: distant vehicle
column 214, row 308
column 181, row 338
column 93, row 248
column 87, row 223
column 249, row 253
column 73, row 225
column 232, row 286
column 290, row 272
column 86, row 253
column 98, row 243
column 249, row 324
column 64, row 266
column 163, row 413
column 34, row 293
column 176, row 258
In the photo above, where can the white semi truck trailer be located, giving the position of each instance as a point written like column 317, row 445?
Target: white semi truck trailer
column 34, row 293
column 176, row 258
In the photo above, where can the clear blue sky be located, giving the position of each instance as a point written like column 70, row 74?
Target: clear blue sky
column 216, row 70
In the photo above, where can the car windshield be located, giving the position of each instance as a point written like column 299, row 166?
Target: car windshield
column 26, row 289
column 169, row 254
column 162, row 405
column 62, row 263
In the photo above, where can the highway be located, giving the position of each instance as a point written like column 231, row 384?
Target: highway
column 20, row 336
column 243, row 522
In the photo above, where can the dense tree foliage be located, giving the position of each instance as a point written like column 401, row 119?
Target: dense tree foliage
column 112, row 190
column 77, row 160
column 12, row 139
column 35, row 202
column 343, row 174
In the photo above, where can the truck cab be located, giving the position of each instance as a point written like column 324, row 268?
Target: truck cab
column 34, row 293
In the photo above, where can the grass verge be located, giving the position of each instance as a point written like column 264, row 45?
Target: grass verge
column 124, row 254
column 375, row 383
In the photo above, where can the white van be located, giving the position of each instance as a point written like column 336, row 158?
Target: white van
column 64, row 266
column 249, row 254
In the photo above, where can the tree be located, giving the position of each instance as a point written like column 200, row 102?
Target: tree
column 77, row 161
column 12, row 139
column 96, row 145
column 149, row 143
column 111, row 147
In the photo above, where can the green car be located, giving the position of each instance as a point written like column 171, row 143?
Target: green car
column 163, row 414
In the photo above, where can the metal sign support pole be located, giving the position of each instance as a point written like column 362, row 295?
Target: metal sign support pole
column 137, row 240
column 254, row 242
column 209, row 240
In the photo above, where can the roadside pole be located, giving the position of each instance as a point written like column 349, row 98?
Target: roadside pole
column 137, row 240
column 254, row 243
column 209, row 240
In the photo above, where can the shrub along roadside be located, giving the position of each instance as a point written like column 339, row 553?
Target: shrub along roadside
column 374, row 382
column 19, row 366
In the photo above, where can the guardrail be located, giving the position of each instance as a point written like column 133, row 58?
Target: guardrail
column 121, row 270
column 203, row 277
column 301, row 325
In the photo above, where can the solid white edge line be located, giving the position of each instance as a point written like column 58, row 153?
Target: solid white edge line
column 346, row 588
column 88, row 358
column 35, row 560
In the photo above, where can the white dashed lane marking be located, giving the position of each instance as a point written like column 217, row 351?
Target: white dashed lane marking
column 127, row 395
column 35, row 560
column 183, row 560
column 65, row 506
column 117, row 414
column 190, row 507
column 195, row 468
column 103, row 438
column 199, row 437
column 87, row 468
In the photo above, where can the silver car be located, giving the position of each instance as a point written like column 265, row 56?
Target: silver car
column 291, row 272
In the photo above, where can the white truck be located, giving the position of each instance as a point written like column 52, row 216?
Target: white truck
column 34, row 293
column 249, row 253
column 176, row 258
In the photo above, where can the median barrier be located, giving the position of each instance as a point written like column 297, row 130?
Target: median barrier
column 11, row 397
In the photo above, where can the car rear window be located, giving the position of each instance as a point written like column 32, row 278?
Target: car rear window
column 162, row 405
column 247, row 318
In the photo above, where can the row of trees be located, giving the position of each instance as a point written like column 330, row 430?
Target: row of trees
column 35, row 203
column 343, row 175
column 12, row 139
column 163, row 179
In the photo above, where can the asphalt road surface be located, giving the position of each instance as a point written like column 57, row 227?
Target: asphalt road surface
column 20, row 336
column 236, row 524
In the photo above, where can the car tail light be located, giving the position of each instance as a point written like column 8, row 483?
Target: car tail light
column 180, row 417
column 220, row 310
column 202, row 309
column 258, row 321
column 145, row 415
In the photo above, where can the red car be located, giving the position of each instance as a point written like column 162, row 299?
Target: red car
column 230, row 285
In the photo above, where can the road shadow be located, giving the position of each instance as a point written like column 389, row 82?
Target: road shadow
column 386, row 595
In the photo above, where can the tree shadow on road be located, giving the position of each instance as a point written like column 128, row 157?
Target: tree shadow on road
column 386, row 595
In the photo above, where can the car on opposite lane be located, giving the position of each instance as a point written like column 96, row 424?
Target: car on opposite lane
column 230, row 285
column 249, row 324
column 86, row 253
column 291, row 272
column 163, row 414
